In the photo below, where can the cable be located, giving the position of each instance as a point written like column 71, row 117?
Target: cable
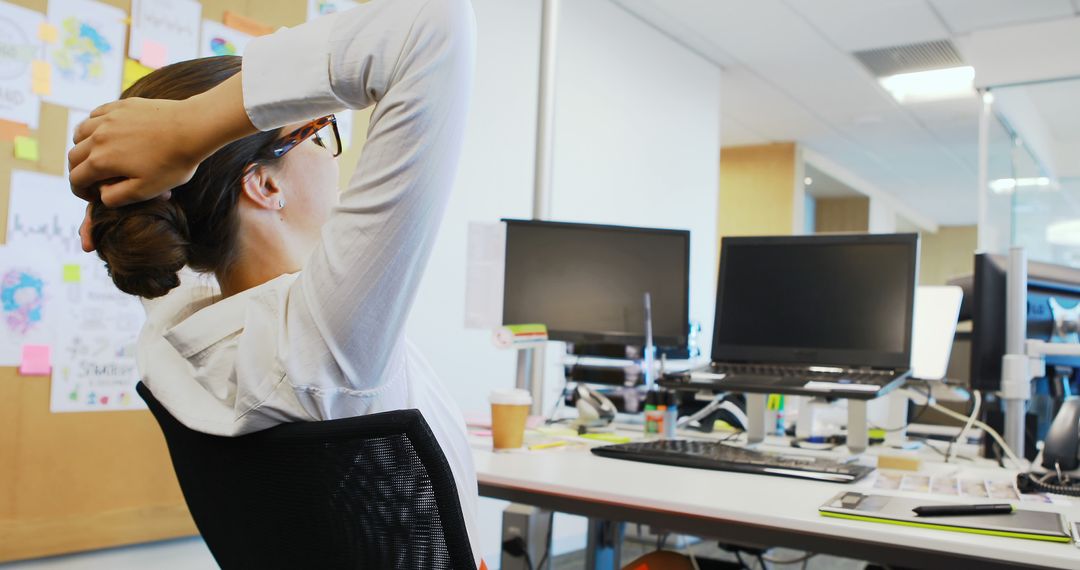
column 918, row 414
column 1022, row 466
column 689, row 552
column 962, row 436
column 547, row 544
column 742, row 562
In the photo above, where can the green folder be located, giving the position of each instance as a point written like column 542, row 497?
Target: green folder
column 1021, row 523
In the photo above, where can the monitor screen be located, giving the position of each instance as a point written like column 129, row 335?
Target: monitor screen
column 587, row 282
column 844, row 300
column 1053, row 296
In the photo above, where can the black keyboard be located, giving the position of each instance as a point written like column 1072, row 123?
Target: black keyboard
column 721, row 457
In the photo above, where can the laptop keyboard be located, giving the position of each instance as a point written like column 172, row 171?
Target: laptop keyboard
column 804, row 373
column 720, row 457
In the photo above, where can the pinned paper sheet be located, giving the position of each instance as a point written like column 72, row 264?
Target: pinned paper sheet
column 19, row 45
column 485, row 265
column 26, row 148
column 72, row 273
column 36, row 360
column 154, row 54
column 10, row 129
column 134, row 71
column 48, row 33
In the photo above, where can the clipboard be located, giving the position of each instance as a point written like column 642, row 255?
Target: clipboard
column 1021, row 523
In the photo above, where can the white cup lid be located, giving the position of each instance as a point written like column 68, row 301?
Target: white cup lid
column 511, row 397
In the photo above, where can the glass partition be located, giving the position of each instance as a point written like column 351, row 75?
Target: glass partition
column 1039, row 183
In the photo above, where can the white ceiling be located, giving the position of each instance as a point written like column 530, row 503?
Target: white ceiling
column 789, row 75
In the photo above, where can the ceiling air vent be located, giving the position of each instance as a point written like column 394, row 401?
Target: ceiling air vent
column 908, row 58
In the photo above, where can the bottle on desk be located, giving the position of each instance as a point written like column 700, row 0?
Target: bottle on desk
column 671, row 413
column 654, row 415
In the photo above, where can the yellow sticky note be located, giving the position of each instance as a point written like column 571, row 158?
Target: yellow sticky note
column 41, row 87
column 26, row 148
column 133, row 71
column 40, row 70
column 48, row 33
column 72, row 273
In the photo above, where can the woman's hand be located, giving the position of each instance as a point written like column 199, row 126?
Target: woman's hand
column 135, row 150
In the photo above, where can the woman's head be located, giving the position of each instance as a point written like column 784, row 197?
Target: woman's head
column 242, row 200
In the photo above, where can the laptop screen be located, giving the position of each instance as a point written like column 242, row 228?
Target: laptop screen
column 840, row 300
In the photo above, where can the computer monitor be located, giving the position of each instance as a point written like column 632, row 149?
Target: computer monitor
column 1048, row 285
column 587, row 282
column 841, row 300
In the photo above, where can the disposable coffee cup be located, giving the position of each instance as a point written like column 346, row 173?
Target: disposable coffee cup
column 509, row 410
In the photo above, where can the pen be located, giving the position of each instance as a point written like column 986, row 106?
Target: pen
column 958, row 510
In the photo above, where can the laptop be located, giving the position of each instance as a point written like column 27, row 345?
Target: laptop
column 813, row 315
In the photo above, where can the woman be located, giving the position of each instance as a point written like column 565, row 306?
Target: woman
column 223, row 169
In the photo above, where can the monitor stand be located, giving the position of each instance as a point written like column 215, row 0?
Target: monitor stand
column 858, row 438
column 530, row 375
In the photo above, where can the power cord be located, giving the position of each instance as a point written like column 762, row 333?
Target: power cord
column 547, row 544
column 1021, row 465
column 962, row 436
column 689, row 551
column 516, row 547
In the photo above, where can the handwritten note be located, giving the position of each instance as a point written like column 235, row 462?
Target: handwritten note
column 36, row 360
column 170, row 24
column 18, row 47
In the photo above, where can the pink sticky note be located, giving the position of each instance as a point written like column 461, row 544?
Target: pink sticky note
column 36, row 360
column 154, row 54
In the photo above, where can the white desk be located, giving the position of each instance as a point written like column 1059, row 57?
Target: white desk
column 752, row 510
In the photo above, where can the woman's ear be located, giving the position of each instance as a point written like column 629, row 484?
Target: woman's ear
column 261, row 189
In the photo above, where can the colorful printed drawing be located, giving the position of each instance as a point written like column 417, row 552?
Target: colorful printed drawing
column 81, row 54
column 22, row 296
column 222, row 47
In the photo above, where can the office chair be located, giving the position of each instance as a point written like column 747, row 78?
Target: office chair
column 369, row 492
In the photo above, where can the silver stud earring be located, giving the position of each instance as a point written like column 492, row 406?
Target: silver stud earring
column 281, row 203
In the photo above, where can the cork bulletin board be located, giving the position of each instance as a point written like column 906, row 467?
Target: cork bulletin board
column 79, row 481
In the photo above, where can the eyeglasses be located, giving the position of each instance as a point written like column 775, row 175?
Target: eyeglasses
column 324, row 131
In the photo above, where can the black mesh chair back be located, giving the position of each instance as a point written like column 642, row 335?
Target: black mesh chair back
column 372, row 492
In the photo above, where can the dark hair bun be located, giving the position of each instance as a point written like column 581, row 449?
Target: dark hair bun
column 143, row 245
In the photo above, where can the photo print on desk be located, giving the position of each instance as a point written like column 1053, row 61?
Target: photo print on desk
column 87, row 60
column 20, row 47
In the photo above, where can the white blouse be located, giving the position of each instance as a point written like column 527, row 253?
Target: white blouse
column 328, row 342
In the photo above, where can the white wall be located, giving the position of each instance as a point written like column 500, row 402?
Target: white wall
column 636, row 143
column 637, row 132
